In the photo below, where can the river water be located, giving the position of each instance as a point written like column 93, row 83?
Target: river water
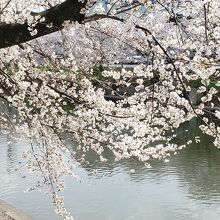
column 186, row 187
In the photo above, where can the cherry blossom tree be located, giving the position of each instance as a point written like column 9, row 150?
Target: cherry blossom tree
column 61, row 68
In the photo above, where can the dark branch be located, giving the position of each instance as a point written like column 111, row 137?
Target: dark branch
column 14, row 34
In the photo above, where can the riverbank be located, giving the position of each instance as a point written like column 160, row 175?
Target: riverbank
column 9, row 212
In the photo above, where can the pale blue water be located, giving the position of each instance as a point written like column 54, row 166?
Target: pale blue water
column 187, row 187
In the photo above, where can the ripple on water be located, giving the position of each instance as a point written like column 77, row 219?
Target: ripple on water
column 187, row 187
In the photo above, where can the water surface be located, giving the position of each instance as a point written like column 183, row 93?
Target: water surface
column 187, row 187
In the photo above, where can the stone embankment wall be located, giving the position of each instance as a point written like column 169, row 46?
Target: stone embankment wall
column 8, row 212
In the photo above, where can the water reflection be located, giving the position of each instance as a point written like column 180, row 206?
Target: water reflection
column 198, row 167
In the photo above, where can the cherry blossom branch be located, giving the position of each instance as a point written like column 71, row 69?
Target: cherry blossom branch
column 54, row 18
column 6, row 5
column 205, row 23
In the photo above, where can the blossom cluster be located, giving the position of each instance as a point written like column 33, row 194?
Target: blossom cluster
column 53, row 84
